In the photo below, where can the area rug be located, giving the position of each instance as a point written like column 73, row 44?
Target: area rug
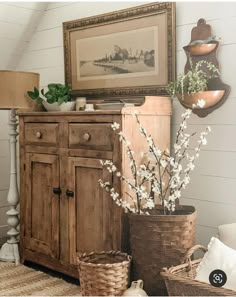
column 22, row 280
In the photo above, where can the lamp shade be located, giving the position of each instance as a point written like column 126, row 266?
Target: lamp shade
column 13, row 89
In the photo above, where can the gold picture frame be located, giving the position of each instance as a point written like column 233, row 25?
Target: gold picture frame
column 125, row 53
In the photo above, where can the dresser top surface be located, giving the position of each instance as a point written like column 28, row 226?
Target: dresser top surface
column 67, row 113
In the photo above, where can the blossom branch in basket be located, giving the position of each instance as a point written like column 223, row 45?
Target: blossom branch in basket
column 161, row 175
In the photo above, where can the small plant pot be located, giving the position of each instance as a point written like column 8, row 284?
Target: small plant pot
column 211, row 98
column 51, row 107
column 65, row 106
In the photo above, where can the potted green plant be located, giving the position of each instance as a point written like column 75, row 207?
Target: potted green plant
column 161, row 231
column 192, row 88
column 57, row 97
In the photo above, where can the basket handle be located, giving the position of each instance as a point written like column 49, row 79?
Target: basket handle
column 192, row 250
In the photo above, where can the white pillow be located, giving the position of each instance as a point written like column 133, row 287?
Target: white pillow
column 227, row 234
column 218, row 256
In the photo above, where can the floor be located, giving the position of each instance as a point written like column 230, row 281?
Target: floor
column 33, row 280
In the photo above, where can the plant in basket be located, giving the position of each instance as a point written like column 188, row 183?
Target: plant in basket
column 161, row 231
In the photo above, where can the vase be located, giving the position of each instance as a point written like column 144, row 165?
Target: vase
column 158, row 241
column 136, row 289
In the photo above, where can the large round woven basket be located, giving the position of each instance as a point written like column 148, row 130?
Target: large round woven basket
column 104, row 273
column 158, row 241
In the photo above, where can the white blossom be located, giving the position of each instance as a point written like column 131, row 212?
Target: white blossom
column 183, row 125
column 187, row 113
column 177, row 147
column 201, row 103
column 150, row 204
column 163, row 163
column 190, row 166
column 115, row 126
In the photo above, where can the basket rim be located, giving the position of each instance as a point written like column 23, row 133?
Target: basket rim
column 192, row 212
column 169, row 273
column 127, row 260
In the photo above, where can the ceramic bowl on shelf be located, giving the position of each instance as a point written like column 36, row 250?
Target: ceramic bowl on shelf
column 65, row 106
column 200, row 49
column 211, row 98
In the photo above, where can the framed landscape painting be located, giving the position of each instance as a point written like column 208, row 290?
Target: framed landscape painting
column 125, row 53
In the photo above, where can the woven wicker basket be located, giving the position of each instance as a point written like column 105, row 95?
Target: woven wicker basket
column 180, row 281
column 104, row 273
column 158, row 241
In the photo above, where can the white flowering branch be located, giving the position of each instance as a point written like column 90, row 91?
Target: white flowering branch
column 148, row 178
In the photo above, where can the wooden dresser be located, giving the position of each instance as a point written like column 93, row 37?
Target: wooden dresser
column 63, row 210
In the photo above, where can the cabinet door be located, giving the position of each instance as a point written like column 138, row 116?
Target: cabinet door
column 42, row 204
column 92, row 216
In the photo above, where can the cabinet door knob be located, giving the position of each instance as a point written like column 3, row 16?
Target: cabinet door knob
column 86, row 136
column 57, row 191
column 38, row 134
column 69, row 193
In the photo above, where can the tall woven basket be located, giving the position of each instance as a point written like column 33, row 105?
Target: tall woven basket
column 180, row 279
column 158, row 241
column 104, row 273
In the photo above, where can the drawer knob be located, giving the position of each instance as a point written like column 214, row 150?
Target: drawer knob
column 57, row 191
column 69, row 193
column 86, row 136
column 38, row 134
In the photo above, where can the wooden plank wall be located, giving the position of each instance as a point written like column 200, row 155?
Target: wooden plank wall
column 212, row 188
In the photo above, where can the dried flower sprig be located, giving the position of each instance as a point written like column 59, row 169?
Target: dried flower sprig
column 161, row 175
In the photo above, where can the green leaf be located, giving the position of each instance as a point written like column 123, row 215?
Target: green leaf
column 51, row 100
column 36, row 91
column 39, row 100
column 61, row 100
column 52, row 87
column 32, row 95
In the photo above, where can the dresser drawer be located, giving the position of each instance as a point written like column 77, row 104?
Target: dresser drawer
column 41, row 133
column 91, row 136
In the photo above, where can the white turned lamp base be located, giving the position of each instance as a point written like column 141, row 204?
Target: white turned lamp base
column 10, row 253
column 14, row 86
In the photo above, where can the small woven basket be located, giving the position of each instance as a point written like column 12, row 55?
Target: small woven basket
column 104, row 273
column 180, row 281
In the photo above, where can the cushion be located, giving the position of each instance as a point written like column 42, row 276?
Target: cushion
column 218, row 256
column 227, row 234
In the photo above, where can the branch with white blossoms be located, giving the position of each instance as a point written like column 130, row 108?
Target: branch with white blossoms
column 149, row 178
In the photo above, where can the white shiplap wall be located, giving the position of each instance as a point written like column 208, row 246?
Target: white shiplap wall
column 211, row 188
column 17, row 24
column 212, row 185
column 45, row 51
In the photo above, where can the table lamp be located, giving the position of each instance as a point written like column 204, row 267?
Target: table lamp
column 13, row 95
